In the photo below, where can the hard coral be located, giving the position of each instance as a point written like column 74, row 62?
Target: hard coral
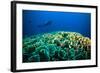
column 56, row 46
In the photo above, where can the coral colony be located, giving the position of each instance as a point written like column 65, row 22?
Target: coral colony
column 56, row 46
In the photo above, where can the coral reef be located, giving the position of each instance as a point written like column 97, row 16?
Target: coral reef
column 56, row 46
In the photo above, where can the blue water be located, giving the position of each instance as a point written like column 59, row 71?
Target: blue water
column 39, row 22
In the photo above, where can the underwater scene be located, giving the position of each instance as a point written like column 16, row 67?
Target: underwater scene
column 55, row 36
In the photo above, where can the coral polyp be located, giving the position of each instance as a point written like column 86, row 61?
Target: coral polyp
column 56, row 46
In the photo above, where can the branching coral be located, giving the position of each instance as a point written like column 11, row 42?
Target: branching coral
column 56, row 46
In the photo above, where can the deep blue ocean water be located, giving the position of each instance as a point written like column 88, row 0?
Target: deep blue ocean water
column 39, row 22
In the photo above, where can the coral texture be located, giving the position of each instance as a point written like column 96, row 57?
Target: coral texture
column 56, row 46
